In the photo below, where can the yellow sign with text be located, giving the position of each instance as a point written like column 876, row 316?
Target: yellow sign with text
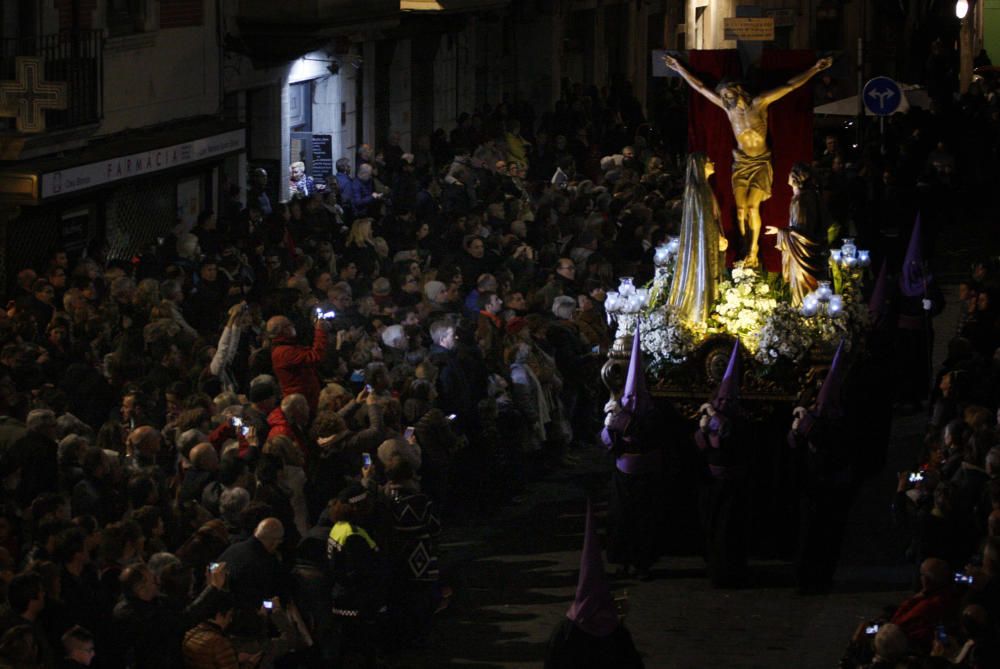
column 749, row 29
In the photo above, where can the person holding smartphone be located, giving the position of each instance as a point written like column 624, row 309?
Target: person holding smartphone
column 296, row 365
column 229, row 341
column 876, row 644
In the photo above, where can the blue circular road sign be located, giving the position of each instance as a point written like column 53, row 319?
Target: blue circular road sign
column 882, row 96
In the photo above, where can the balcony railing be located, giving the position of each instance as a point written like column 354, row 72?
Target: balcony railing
column 75, row 58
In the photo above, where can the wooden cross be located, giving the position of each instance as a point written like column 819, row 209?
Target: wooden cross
column 28, row 96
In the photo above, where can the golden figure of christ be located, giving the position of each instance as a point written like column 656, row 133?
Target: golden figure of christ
column 752, row 175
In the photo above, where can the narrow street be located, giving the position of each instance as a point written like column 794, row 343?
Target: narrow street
column 516, row 577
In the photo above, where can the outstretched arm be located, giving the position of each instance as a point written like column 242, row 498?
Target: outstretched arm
column 781, row 91
column 693, row 81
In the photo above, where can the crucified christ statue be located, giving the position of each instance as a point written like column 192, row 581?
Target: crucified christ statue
column 752, row 174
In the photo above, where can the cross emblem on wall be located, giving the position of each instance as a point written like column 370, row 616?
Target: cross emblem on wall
column 29, row 95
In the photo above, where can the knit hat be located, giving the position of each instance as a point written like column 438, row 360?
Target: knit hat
column 381, row 286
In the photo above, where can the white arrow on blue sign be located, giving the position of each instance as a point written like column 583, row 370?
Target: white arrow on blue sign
column 882, row 96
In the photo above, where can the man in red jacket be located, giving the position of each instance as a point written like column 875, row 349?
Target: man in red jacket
column 936, row 602
column 295, row 365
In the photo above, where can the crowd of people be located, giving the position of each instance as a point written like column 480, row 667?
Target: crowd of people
column 237, row 449
column 947, row 503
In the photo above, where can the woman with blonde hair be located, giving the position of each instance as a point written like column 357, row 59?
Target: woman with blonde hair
column 360, row 248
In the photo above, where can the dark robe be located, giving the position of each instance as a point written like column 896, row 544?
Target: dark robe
column 723, row 501
column 826, row 492
column 572, row 648
column 635, row 497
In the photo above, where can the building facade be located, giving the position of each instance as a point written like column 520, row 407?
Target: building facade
column 169, row 104
column 138, row 144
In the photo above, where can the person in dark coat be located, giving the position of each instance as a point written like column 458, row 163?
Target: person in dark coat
column 210, row 300
column 455, row 395
column 592, row 635
column 270, row 491
column 36, row 453
column 820, row 438
column 26, row 601
column 918, row 302
column 411, row 553
column 313, row 588
column 345, row 188
column 255, row 573
column 92, row 496
column 724, row 499
column 631, row 435
column 204, row 465
column 147, row 633
column 78, row 648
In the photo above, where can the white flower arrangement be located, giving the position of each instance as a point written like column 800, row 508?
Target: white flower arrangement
column 769, row 327
column 745, row 304
column 665, row 337
column 789, row 334
column 849, row 325
column 784, row 335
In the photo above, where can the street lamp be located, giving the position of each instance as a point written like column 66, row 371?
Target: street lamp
column 964, row 46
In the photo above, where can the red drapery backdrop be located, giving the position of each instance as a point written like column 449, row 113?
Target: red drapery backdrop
column 789, row 133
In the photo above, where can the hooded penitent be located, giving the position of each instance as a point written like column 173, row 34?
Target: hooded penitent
column 725, row 402
column 728, row 393
column 878, row 305
column 828, row 403
column 593, row 609
column 626, row 428
column 913, row 279
column 635, row 398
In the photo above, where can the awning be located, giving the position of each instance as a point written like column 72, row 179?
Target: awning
column 130, row 155
column 912, row 97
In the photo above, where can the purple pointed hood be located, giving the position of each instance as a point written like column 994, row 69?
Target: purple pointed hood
column 878, row 305
column 593, row 609
column 913, row 280
column 828, row 401
column 635, row 398
column 728, row 393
